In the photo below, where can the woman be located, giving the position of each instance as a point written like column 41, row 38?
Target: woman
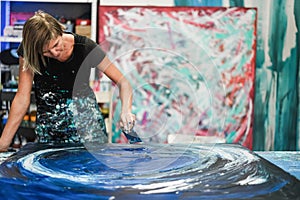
column 59, row 63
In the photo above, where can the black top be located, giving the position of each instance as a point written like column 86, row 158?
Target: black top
column 58, row 85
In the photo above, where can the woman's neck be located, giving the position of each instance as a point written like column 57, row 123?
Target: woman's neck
column 68, row 45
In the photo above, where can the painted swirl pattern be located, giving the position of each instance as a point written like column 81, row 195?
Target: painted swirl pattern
column 121, row 171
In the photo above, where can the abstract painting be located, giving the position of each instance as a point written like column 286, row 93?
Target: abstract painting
column 192, row 69
column 152, row 171
column 276, row 123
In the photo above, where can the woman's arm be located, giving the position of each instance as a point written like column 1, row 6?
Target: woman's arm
column 125, row 90
column 19, row 106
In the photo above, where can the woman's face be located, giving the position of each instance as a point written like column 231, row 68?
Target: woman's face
column 54, row 49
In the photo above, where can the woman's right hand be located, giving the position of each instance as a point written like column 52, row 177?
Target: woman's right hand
column 127, row 121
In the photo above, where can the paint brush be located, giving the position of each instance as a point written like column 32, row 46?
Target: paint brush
column 132, row 136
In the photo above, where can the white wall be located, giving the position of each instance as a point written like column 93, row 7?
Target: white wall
column 138, row 2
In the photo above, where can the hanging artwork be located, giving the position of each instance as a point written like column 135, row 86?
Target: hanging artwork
column 192, row 70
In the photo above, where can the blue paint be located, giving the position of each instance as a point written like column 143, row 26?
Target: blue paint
column 286, row 160
column 152, row 171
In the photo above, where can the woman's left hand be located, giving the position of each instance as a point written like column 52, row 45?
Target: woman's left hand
column 127, row 121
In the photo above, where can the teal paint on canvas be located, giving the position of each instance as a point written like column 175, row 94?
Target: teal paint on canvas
column 276, row 103
column 295, row 53
column 190, row 84
column 198, row 2
column 284, row 80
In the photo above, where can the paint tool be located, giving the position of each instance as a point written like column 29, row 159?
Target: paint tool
column 132, row 136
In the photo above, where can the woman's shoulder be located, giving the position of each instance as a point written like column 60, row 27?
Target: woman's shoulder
column 81, row 39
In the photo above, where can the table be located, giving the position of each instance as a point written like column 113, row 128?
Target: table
column 289, row 161
column 286, row 160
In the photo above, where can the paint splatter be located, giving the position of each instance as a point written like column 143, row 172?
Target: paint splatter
column 124, row 171
column 192, row 68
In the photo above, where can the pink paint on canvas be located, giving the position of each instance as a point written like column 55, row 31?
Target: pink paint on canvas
column 192, row 69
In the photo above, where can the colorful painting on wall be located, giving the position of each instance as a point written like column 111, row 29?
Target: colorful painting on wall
column 192, row 70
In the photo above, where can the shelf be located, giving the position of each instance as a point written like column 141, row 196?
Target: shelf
column 64, row 7
column 55, row 1
column 10, row 39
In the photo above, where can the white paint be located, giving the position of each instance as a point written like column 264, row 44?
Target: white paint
column 165, row 187
column 291, row 30
column 249, row 115
column 183, row 138
column 264, row 19
column 226, row 3
column 270, row 125
column 252, row 180
column 30, row 163
column 263, row 22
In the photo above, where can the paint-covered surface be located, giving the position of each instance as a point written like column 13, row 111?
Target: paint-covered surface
column 286, row 160
column 157, row 171
column 192, row 69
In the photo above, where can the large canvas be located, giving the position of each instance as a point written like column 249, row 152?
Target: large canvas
column 192, row 69
column 135, row 172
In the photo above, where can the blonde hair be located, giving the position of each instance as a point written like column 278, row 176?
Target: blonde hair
column 37, row 32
